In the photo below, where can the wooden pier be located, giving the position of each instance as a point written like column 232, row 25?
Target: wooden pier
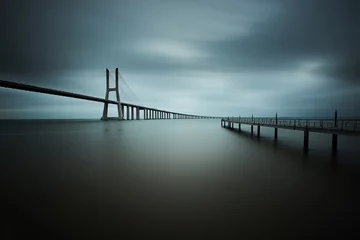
column 334, row 126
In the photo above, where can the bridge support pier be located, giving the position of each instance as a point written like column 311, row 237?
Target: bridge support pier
column 252, row 129
column 132, row 113
column 108, row 90
column 137, row 113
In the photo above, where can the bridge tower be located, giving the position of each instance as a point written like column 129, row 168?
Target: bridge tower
column 108, row 90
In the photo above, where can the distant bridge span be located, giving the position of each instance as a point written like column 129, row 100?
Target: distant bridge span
column 332, row 126
column 132, row 110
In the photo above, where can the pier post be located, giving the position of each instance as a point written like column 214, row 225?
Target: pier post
column 132, row 113
column 306, row 139
column 335, row 136
column 252, row 129
column 258, row 130
column 127, row 113
column 137, row 113
column 276, row 129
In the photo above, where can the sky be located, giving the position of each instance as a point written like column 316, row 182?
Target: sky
column 203, row 57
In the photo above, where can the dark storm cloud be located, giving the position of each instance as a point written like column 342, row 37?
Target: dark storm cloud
column 46, row 36
column 165, row 46
column 322, row 30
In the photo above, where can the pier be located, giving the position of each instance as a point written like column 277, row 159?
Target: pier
column 334, row 126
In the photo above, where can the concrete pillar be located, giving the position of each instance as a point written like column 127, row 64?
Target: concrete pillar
column 132, row 113
column 276, row 129
column 127, row 113
column 137, row 113
column 106, row 105
column 306, row 140
column 258, row 131
column 335, row 136
column 122, row 110
column 252, row 129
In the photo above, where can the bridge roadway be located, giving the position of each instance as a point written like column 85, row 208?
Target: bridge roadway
column 132, row 113
column 334, row 126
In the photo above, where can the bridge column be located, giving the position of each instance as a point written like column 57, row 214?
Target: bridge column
column 239, row 124
column 252, row 129
column 127, row 113
column 137, row 113
column 276, row 129
column 306, row 139
column 108, row 90
column 335, row 136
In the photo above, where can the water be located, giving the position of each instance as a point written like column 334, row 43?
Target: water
column 173, row 179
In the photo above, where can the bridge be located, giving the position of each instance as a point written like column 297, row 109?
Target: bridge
column 334, row 126
column 133, row 111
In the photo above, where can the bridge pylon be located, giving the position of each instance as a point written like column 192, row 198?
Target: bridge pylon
column 108, row 90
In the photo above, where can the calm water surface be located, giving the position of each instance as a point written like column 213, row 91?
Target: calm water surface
column 176, row 179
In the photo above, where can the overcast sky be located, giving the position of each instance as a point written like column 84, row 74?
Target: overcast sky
column 206, row 57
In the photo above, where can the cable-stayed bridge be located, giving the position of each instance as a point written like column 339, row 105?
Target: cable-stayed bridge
column 129, row 111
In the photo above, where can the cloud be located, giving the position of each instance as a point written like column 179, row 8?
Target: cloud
column 212, row 53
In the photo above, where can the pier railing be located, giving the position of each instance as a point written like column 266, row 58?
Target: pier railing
column 332, row 126
column 346, row 124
